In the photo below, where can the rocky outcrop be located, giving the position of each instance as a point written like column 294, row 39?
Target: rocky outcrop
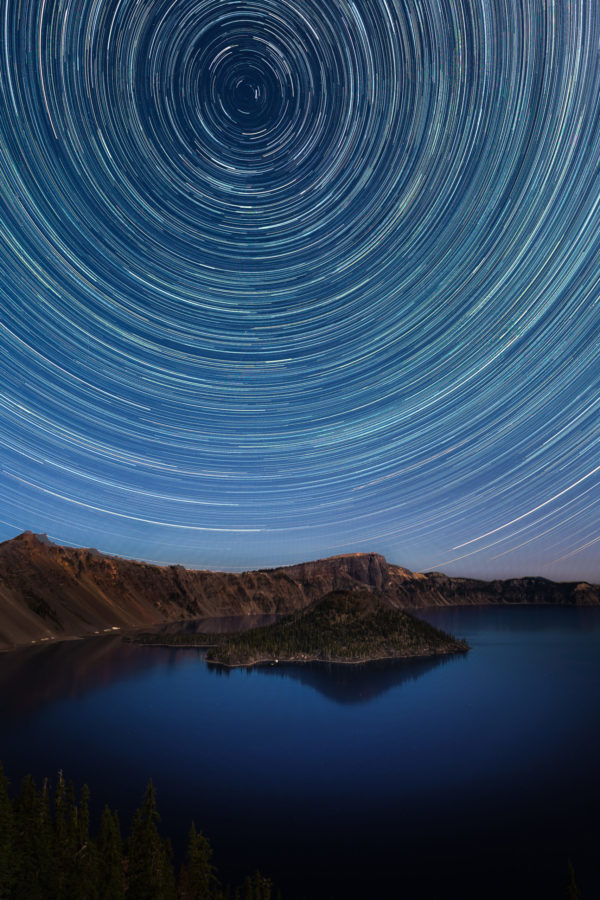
column 50, row 592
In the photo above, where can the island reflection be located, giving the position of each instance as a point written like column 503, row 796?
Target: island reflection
column 346, row 683
column 38, row 676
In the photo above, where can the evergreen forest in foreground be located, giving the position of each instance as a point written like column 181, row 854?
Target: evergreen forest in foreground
column 47, row 852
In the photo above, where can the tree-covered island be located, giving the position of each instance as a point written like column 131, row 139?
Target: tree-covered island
column 343, row 627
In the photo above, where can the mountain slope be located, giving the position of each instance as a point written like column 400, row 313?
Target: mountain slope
column 48, row 591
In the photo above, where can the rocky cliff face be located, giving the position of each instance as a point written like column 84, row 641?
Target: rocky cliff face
column 49, row 592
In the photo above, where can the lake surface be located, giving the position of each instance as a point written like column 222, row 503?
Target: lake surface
column 475, row 776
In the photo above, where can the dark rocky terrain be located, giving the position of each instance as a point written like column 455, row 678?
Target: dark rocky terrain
column 49, row 592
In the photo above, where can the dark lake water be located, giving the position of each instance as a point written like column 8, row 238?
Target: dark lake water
column 477, row 776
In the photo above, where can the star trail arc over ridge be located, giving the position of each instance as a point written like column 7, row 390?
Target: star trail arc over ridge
column 286, row 278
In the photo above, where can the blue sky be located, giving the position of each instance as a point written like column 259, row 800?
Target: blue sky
column 281, row 280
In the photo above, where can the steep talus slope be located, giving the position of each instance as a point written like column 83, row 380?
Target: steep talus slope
column 48, row 591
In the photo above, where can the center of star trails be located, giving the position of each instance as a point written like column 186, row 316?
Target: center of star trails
column 247, row 96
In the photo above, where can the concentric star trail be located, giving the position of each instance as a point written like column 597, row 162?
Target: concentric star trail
column 284, row 278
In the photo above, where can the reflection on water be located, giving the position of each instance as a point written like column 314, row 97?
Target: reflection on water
column 472, row 776
column 35, row 677
column 30, row 679
column 347, row 684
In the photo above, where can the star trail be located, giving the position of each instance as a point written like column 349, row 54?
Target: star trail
column 281, row 279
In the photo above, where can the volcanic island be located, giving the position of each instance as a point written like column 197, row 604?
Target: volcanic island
column 342, row 627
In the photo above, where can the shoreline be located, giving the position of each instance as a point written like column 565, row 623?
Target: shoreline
column 268, row 660
column 128, row 634
column 170, row 646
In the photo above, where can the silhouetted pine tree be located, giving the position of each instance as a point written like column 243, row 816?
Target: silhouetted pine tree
column 7, row 839
column 79, row 852
column 88, row 851
column 199, row 877
column 60, row 822
column 150, row 870
column 169, row 885
column 110, row 858
column 36, row 877
column 572, row 889
column 67, row 843
column 47, row 853
column 257, row 887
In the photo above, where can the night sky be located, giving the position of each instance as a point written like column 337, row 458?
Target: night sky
column 281, row 280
